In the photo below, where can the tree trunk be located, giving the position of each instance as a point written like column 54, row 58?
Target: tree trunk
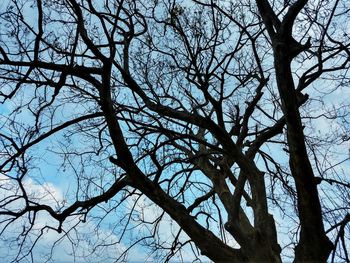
column 314, row 245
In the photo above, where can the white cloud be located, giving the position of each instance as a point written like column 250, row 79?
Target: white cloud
column 83, row 243
column 167, row 228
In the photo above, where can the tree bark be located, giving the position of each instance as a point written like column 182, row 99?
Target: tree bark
column 314, row 245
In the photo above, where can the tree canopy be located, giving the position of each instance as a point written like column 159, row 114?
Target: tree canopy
column 192, row 130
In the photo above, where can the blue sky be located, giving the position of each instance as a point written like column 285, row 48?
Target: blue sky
column 55, row 178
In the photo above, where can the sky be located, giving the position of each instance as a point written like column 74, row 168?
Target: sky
column 54, row 182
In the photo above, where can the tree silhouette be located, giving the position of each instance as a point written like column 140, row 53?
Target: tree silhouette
column 231, row 117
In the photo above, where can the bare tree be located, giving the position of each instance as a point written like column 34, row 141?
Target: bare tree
column 231, row 117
